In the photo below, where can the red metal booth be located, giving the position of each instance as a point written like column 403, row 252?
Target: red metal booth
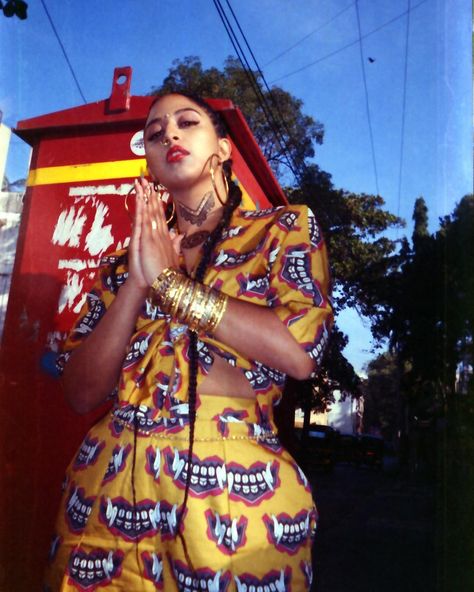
column 83, row 164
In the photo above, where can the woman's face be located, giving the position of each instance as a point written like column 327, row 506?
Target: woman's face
column 179, row 141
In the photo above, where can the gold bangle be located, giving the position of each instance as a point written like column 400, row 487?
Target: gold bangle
column 194, row 314
column 198, row 306
column 218, row 312
column 165, row 275
column 161, row 285
column 188, row 300
column 177, row 296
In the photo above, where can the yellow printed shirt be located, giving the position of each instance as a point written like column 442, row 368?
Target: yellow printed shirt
column 274, row 258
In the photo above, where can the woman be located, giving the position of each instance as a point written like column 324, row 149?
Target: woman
column 185, row 486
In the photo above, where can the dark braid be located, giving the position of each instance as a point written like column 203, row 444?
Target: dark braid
column 233, row 201
column 134, row 491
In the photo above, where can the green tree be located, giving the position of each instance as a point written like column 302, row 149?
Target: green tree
column 430, row 299
column 353, row 226
column 382, row 397
column 420, row 223
column 294, row 131
column 14, row 8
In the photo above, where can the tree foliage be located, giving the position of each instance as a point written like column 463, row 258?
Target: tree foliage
column 14, row 8
column 353, row 224
column 382, row 403
column 298, row 132
column 430, row 308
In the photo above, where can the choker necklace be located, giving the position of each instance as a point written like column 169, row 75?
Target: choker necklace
column 196, row 238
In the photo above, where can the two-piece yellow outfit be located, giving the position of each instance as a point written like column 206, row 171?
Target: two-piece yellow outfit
column 250, row 516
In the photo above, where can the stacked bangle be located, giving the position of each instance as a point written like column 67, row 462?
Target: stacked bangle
column 192, row 303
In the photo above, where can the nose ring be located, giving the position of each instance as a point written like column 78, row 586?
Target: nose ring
column 166, row 142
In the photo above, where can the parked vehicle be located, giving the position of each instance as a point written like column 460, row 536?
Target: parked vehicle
column 319, row 449
column 371, row 450
column 347, row 449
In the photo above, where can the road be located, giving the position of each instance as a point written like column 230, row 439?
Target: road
column 376, row 531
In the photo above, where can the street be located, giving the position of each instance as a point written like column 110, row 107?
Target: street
column 376, row 531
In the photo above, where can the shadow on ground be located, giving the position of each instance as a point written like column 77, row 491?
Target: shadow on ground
column 376, row 532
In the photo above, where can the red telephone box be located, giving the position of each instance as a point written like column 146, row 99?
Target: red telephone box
column 83, row 164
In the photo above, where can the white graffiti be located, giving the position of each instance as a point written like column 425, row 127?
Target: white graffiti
column 69, row 227
column 89, row 190
column 100, row 236
column 71, row 293
column 78, row 264
column 54, row 340
column 83, row 225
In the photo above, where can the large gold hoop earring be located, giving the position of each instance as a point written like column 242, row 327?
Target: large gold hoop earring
column 173, row 212
column 161, row 192
column 127, row 209
column 213, row 181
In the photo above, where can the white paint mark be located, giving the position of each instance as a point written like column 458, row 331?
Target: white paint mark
column 70, row 292
column 90, row 190
column 78, row 264
column 122, row 245
column 100, row 236
column 77, row 309
column 54, row 339
column 69, row 227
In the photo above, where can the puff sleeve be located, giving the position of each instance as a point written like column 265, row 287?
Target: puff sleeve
column 97, row 301
column 300, row 281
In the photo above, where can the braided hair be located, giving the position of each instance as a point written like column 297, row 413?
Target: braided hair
column 233, row 201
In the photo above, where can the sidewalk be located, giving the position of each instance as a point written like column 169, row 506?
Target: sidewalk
column 376, row 532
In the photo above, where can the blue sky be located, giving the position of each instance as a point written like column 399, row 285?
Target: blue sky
column 148, row 35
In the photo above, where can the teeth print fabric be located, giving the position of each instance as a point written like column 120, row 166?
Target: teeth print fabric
column 250, row 517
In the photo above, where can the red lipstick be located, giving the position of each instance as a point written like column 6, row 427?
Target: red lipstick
column 176, row 153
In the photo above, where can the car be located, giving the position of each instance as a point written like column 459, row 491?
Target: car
column 371, row 451
column 319, row 449
column 348, row 449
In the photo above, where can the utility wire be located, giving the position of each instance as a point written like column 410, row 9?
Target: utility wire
column 284, row 52
column 254, row 84
column 256, row 87
column 335, row 52
column 404, row 100
column 280, row 121
column 64, row 51
column 367, row 107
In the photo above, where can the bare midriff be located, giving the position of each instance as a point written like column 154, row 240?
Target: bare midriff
column 223, row 379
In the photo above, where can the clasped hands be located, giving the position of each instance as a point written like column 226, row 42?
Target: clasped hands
column 153, row 247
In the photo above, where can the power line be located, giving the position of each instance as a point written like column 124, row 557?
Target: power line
column 402, row 140
column 367, row 107
column 335, row 52
column 64, row 51
column 254, row 82
column 284, row 52
column 281, row 119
